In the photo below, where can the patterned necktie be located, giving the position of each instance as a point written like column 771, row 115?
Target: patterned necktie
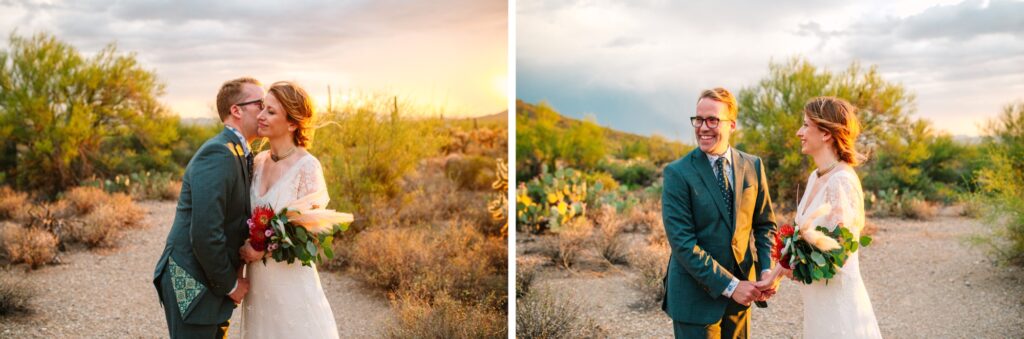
column 723, row 184
column 248, row 162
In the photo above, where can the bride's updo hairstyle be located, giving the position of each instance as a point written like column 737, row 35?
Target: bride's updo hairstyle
column 298, row 106
column 838, row 118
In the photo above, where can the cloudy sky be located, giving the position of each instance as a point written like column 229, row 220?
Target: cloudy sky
column 447, row 53
column 638, row 65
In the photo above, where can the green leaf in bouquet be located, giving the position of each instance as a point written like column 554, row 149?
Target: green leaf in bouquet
column 310, row 248
column 829, row 273
column 328, row 247
column 854, row 246
column 865, row 240
column 818, row 258
column 816, row 273
column 300, row 233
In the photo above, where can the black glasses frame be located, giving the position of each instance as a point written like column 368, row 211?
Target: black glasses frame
column 710, row 122
column 257, row 101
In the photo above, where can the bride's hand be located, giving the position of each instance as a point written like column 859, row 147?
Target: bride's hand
column 248, row 253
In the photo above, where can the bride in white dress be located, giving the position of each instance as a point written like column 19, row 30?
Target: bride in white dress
column 841, row 308
column 285, row 300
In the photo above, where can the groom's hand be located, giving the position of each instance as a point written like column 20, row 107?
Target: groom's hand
column 240, row 291
column 746, row 292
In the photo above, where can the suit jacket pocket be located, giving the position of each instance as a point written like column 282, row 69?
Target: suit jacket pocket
column 187, row 290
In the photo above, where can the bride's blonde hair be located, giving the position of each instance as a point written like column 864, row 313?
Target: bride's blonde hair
column 838, row 118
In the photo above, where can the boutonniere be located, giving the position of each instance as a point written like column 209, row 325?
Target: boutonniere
column 239, row 151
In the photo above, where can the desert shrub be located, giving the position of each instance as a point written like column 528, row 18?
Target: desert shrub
column 650, row 263
column 542, row 314
column 919, row 209
column 85, row 198
column 1001, row 185
column 972, row 205
column 457, row 260
column 645, row 217
column 105, row 224
column 632, row 173
column 606, row 239
column 474, row 173
column 444, row 318
column 544, row 138
column 367, row 146
column 572, row 241
column 72, row 117
column 170, row 191
column 32, row 246
column 526, row 272
column 15, row 296
column 11, row 202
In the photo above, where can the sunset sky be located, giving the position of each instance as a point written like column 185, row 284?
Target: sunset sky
column 639, row 65
column 448, row 54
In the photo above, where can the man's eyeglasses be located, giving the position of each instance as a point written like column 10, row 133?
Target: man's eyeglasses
column 710, row 122
column 258, row 102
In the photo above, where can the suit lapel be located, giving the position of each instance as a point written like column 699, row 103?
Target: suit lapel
column 707, row 175
column 739, row 169
column 236, row 149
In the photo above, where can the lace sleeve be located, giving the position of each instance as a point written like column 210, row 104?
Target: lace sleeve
column 311, row 180
column 847, row 204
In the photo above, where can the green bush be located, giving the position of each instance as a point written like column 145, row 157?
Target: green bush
column 366, row 147
column 475, row 173
column 1001, row 185
column 65, row 117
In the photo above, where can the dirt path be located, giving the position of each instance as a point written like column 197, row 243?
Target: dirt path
column 924, row 282
column 111, row 294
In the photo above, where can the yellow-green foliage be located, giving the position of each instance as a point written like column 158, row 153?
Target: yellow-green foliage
column 72, row 117
column 551, row 200
column 367, row 146
column 1002, row 185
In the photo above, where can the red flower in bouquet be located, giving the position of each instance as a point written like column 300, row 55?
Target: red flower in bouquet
column 259, row 225
column 784, row 232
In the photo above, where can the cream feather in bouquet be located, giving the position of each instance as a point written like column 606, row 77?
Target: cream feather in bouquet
column 813, row 252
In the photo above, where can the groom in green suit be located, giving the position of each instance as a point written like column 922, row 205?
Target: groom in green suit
column 719, row 222
column 197, row 277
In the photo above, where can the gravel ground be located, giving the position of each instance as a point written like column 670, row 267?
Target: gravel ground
column 110, row 294
column 923, row 279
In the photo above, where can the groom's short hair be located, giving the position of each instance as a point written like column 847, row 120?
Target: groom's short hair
column 721, row 95
column 230, row 94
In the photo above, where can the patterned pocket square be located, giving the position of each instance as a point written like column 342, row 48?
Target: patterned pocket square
column 187, row 290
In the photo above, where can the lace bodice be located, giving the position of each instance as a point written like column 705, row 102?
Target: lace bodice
column 305, row 177
column 845, row 198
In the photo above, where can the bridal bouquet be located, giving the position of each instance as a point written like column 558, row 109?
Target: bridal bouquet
column 814, row 254
column 302, row 230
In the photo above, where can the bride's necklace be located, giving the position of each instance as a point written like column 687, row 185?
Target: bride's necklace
column 820, row 172
column 277, row 158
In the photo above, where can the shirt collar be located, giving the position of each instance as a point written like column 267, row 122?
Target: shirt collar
column 245, row 143
column 727, row 155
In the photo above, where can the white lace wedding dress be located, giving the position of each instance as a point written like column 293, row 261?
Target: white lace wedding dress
column 841, row 308
column 286, row 300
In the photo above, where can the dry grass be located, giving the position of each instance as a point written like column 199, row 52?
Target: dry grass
column 457, row 260
column 650, row 263
column 104, row 225
column 542, row 314
column 171, row 190
column 444, row 318
column 919, row 209
column 645, row 217
column 32, row 246
column 85, row 199
column 12, row 203
column 571, row 241
column 15, row 297
column 526, row 273
column 606, row 239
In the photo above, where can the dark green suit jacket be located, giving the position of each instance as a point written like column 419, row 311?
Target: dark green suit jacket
column 209, row 228
column 708, row 249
